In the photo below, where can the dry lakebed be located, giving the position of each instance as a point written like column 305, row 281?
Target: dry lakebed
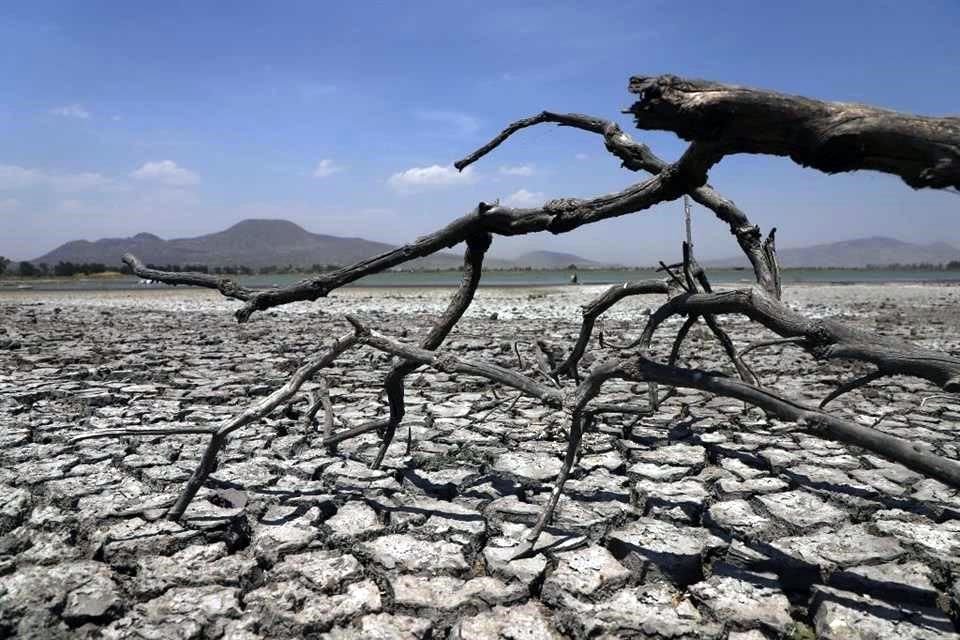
column 701, row 521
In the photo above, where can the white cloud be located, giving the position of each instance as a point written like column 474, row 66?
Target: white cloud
column 524, row 198
column 519, row 170
column 326, row 167
column 71, row 111
column 461, row 123
column 14, row 177
column 166, row 172
column 419, row 178
column 9, row 205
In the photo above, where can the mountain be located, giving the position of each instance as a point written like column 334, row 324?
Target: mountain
column 552, row 260
column 252, row 243
column 261, row 243
column 861, row 252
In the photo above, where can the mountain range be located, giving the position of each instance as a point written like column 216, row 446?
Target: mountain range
column 260, row 243
column 858, row 253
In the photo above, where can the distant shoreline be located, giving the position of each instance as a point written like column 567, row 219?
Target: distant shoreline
column 501, row 278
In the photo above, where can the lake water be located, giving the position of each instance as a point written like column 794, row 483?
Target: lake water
column 532, row 278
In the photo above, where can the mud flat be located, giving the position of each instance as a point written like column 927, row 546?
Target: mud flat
column 702, row 521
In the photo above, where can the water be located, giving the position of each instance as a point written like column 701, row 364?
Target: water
column 729, row 277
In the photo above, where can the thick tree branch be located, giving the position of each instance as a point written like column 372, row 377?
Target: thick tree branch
column 909, row 454
column 829, row 136
column 823, row 338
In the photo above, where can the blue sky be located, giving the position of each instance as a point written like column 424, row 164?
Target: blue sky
column 181, row 118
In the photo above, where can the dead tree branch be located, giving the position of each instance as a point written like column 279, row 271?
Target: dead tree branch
column 823, row 338
column 477, row 246
column 556, row 216
column 637, row 156
column 830, row 136
column 596, row 307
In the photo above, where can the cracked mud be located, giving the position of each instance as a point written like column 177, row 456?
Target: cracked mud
column 701, row 521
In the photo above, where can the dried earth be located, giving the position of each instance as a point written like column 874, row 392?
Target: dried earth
column 702, row 521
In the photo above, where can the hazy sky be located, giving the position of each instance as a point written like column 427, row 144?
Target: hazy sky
column 181, row 118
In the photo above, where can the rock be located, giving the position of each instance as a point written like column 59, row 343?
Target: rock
column 745, row 600
column 187, row 612
column 500, row 558
column 407, row 553
column 647, row 611
column 272, row 541
column 385, row 626
column 727, row 488
column 801, row 509
column 584, row 573
column 446, row 593
column 530, row 621
column 528, row 466
column 845, row 547
column 738, row 518
column 675, row 551
column 126, row 542
column 897, row 582
column 288, row 609
column 659, row 472
column 687, row 496
column 33, row 597
column 939, row 542
column 681, row 455
column 323, row 571
column 843, row 615
column 354, row 519
column 194, row 566
column 14, row 505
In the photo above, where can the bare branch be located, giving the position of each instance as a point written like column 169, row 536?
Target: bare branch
column 596, row 307
column 449, row 363
column 254, row 412
column 637, row 156
column 477, row 246
column 121, row 433
column 847, row 387
column 909, row 454
column 226, row 286
column 823, row 338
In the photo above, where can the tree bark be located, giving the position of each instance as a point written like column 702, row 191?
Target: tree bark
column 829, row 136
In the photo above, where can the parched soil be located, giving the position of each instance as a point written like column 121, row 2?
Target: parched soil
column 701, row 521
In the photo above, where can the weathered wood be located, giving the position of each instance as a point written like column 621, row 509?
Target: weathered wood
column 830, row 136
column 477, row 246
column 909, row 454
column 822, row 338
column 596, row 307
column 637, row 156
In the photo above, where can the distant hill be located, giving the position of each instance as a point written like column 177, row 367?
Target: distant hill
column 252, row 243
column 553, row 260
column 261, row 243
column 877, row 251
